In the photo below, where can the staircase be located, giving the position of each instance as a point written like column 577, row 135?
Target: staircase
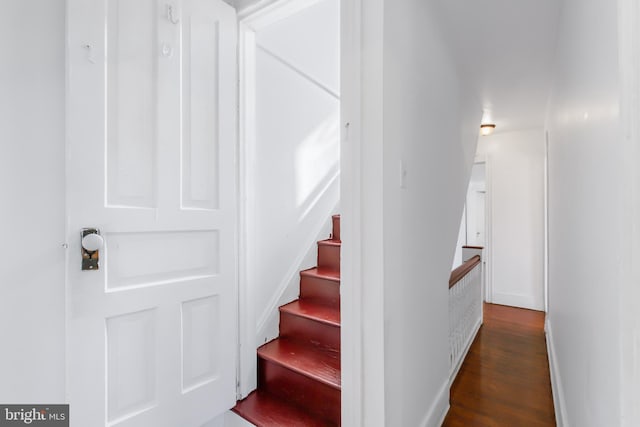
column 299, row 372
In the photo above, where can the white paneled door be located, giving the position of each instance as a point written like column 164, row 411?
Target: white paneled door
column 151, row 163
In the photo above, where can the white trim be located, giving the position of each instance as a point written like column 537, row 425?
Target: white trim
column 556, row 383
column 488, row 217
column 364, row 151
column 247, row 373
column 67, row 207
column 517, row 300
column 629, row 294
column 439, row 408
column 350, row 225
column 546, row 222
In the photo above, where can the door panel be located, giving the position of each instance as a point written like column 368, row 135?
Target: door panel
column 200, row 335
column 131, row 363
column 187, row 255
column 131, row 95
column 200, row 37
column 151, row 163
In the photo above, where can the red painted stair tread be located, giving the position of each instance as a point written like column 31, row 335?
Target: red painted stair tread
column 322, row 273
column 263, row 409
column 311, row 310
column 330, row 242
column 321, row 365
column 299, row 372
column 312, row 321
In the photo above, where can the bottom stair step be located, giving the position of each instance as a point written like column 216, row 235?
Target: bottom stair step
column 263, row 409
column 305, row 375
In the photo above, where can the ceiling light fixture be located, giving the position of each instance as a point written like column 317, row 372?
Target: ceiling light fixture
column 487, row 129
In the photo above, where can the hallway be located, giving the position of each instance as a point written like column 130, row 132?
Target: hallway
column 504, row 381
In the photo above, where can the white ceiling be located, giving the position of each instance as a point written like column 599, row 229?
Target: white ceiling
column 506, row 50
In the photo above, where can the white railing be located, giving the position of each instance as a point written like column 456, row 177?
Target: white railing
column 465, row 310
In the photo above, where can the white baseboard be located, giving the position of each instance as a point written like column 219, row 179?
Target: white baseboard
column 517, row 300
column 556, row 383
column 439, row 408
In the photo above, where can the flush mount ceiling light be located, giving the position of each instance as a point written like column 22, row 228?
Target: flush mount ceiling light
column 487, row 129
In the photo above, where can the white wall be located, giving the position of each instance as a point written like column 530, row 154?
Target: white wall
column 516, row 205
column 415, row 112
column 295, row 174
column 32, row 196
column 430, row 124
column 586, row 213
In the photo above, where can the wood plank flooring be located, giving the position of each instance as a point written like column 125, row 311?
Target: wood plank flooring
column 504, row 380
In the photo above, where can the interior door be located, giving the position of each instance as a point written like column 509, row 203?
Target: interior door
column 151, row 107
column 479, row 219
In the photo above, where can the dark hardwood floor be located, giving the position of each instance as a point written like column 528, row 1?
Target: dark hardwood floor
column 504, row 380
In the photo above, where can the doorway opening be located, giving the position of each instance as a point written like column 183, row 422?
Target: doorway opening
column 289, row 158
column 475, row 232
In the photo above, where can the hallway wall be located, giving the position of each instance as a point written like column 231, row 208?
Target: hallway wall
column 586, row 212
column 32, row 291
column 418, row 117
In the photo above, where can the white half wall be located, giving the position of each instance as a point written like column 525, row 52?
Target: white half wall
column 32, row 226
column 516, row 211
column 587, row 226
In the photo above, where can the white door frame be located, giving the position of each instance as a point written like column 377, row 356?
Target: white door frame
column 546, row 221
column 629, row 76
column 264, row 13
column 351, row 287
column 488, row 229
column 488, row 235
column 251, row 20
